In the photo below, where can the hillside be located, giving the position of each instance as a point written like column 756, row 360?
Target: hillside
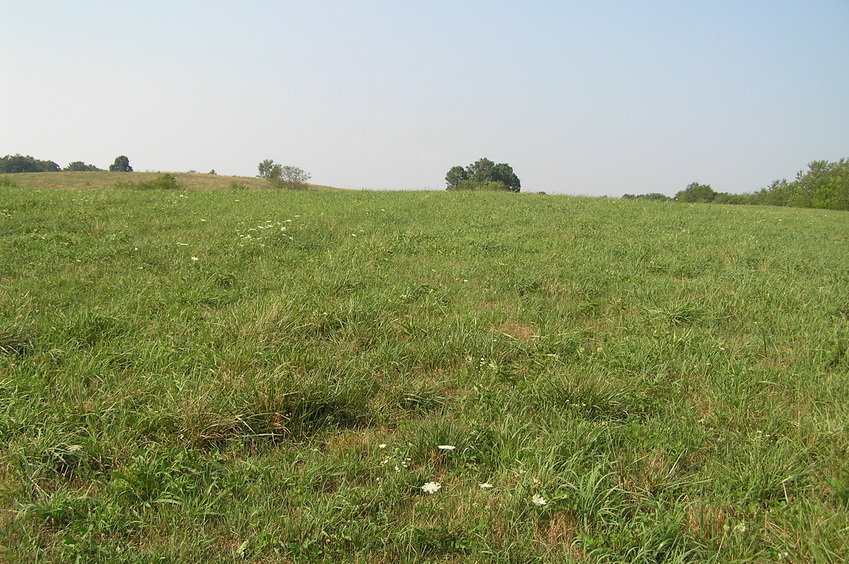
column 102, row 180
column 274, row 376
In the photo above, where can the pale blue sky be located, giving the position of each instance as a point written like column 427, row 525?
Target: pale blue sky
column 594, row 97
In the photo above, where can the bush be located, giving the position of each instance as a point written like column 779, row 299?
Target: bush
column 473, row 185
column 164, row 182
column 654, row 196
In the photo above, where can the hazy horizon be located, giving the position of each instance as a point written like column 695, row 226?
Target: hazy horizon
column 602, row 98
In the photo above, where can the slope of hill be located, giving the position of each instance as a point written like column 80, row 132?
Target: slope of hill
column 104, row 180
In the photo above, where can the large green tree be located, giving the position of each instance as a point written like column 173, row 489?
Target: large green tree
column 121, row 164
column 696, row 193
column 483, row 174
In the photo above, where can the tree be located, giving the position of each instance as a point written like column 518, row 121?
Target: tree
column 121, row 164
column 696, row 193
column 455, row 176
column 18, row 163
column 826, row 184
column 483, row 174
column 79, row 166
column 503, row 172
column 823, row 185
column 286, row 177
column 269, row 170
column 293, row 178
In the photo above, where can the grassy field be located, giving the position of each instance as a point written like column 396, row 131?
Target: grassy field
column 264, row 376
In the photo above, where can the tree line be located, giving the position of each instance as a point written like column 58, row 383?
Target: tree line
column 823, row 185
column 13, row 164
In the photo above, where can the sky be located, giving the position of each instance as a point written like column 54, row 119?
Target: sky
column 592, row 97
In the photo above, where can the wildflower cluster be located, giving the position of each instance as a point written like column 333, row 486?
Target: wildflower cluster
column 257, row 235
column 432, row 487
column 396, row 459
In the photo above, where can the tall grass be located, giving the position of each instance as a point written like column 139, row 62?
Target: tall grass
column 268, row 376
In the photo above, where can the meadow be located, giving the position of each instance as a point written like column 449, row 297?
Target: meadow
column 271, row 376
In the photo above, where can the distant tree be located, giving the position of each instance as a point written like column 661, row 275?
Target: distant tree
column 696, row 193
column 482, row 170
column 483, row 174
column 269, row 170
column 121, row 164
column 455, row 176
column 293, row 178
column 734, row 199
column 285, row 177
column 18, row 163
column 79, row 166
column 776, row 194
column 49, row 166
column 823, row 185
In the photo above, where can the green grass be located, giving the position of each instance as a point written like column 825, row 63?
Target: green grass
column 266, row 376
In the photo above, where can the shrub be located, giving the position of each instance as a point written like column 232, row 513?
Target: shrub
column 166, row 181
column 473, row 185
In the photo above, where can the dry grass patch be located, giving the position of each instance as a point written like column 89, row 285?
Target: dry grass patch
column 518, row 331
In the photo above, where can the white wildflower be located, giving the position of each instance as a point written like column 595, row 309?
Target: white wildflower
column 538, row 500
column 486, row 486
column 195, row 258
column 381, row 445
column 431, row 487
column 446, row 447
